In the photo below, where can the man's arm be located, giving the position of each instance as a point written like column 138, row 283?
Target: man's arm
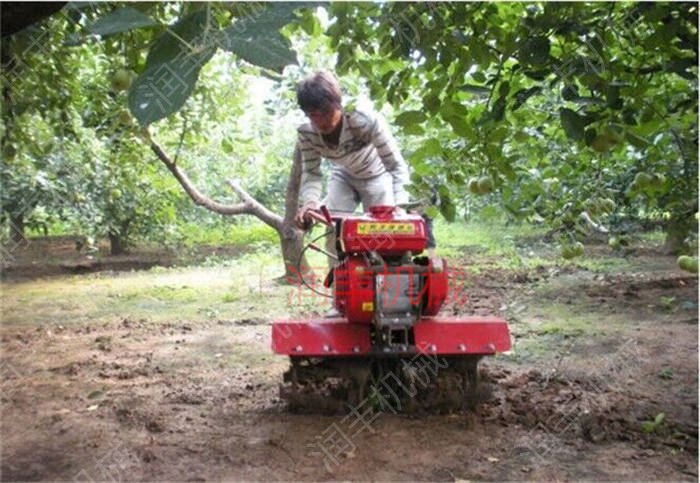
column 389, row 153
column 311, row 181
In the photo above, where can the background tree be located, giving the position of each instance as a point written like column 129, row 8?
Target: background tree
column 562, row 105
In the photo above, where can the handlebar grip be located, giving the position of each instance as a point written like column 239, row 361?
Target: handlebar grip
column 327, row 215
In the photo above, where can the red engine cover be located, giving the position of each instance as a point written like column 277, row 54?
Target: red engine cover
column 383, row 231
column 354, row 290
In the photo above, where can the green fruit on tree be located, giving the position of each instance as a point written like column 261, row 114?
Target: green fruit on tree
column 124, row 116
column 608, row 205
column 571, row 251
column 689, row 264
column 9, row 151
column 473, row 186
column 566, row 252
column 657, row 180
column 593, row 206
column 115, row 193
column 485, row 185
column 642, row 180
column 602, row 144
column 614, row 133
column 121, row 80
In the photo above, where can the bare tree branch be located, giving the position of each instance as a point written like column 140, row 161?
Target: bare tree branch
column 249, row 205
column 255, row 207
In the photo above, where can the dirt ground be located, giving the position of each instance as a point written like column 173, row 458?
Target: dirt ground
column 54, row 256
column 609, row 392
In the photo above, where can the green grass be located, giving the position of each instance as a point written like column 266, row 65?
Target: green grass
column 656, row 236
column 248, row 233
column 248, row 285
column 494, row 238
column 248, row 288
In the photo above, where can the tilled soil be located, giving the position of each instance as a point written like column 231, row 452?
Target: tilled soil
column 136, row 401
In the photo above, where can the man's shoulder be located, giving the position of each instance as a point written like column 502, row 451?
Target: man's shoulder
column 306, row 129
column 361, row 119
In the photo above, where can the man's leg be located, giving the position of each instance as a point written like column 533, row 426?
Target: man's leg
column 340, row 197
column 375, row 191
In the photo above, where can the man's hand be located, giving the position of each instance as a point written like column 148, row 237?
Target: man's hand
column 300, row 220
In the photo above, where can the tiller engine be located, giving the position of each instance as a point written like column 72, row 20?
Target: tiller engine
column 387, row 347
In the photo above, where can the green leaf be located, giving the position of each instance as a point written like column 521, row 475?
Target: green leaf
column 168, row 47
column 475, row 89
column 479, row 76
column 534, row 51
column 414, row 129
column 447, row 208
column 259, row 43
column 432, row 103
column 409, row 117
column 523, row 95
column 431, row 211
column 570, row 92
column 162, row 89
column 459, row 125
column 574, row 125
column 431, row 147
column 121, row 20
column 637, row 141
column 256, row 38
column 659, row 418
column 311, row 25
column 612, row 96
column 499, row 109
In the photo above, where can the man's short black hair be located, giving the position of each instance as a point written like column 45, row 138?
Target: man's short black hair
column 321, row 92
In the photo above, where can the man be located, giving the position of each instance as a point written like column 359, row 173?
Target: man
column 366, row 165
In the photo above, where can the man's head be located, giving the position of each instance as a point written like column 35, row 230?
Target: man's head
column 320, row 98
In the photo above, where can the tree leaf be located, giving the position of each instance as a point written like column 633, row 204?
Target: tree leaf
column 168, row 46
column 534, row 51
column 256, row 37
column 479, row 76
column 432, row 103
column 414, row 129
column 459, row 125
column 271, row 51
column 574, row 125
column 431, row 147
column 523, row 95
column 447, row 208
column 637, row 141
column 499, row 109
column 162, row 89
column 121, row 20
column 409, row 117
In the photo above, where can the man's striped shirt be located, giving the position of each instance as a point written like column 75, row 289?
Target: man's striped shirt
column 365, row 149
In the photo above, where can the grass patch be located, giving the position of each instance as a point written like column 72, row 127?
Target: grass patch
column 247, row 233
column 495, row 238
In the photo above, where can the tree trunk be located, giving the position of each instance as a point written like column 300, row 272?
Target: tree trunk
column 116, row 245
column 291, row 238
column 17, row 229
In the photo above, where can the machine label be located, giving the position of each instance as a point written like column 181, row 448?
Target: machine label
column 367, row 306
column 370, row 228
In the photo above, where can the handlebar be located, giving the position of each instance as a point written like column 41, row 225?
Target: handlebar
column 323, row 214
